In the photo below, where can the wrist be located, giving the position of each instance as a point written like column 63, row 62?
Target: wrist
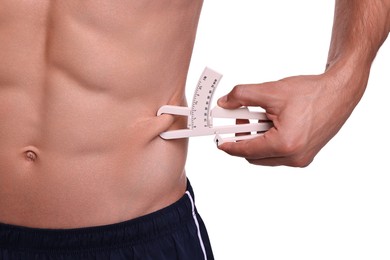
column 349, row 65
column 349, row 75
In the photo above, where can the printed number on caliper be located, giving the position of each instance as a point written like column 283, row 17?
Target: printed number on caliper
column 200, row 116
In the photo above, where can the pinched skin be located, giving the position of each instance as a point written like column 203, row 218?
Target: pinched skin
column 80, row 85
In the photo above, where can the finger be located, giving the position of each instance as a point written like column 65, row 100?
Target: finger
column 260, row 147
column 272, row 160
column 249, row 95
column 292, row 161
column 275, row 161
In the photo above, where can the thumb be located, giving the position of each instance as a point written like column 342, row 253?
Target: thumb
column 247, row 95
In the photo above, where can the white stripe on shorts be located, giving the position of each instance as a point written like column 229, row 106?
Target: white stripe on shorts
column 197, row 224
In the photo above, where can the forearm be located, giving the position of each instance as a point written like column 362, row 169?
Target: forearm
column 359, row 29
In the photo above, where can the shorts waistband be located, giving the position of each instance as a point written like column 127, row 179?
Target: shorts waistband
column 138, row 230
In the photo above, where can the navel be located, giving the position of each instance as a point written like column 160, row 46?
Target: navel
column 31, row 156
column 30, row 153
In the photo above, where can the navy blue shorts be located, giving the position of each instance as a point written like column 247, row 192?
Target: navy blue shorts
column 176, row 232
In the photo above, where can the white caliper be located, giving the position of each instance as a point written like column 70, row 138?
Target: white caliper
column 200, row 116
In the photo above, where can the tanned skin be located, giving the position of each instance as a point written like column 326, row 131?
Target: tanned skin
column 80, row 85
column 307, row 111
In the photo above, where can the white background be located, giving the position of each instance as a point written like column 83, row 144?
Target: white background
column 339, row 206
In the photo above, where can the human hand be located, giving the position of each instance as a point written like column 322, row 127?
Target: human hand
column 307, row 111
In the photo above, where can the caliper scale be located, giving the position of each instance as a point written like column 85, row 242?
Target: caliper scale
column 200, row 116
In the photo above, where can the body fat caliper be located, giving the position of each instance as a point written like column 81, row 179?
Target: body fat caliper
column 200, row 116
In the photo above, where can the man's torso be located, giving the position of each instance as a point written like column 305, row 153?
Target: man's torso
column 80, row 84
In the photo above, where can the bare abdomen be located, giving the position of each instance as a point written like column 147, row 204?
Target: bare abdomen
column 80, row 85
column 89, row 161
